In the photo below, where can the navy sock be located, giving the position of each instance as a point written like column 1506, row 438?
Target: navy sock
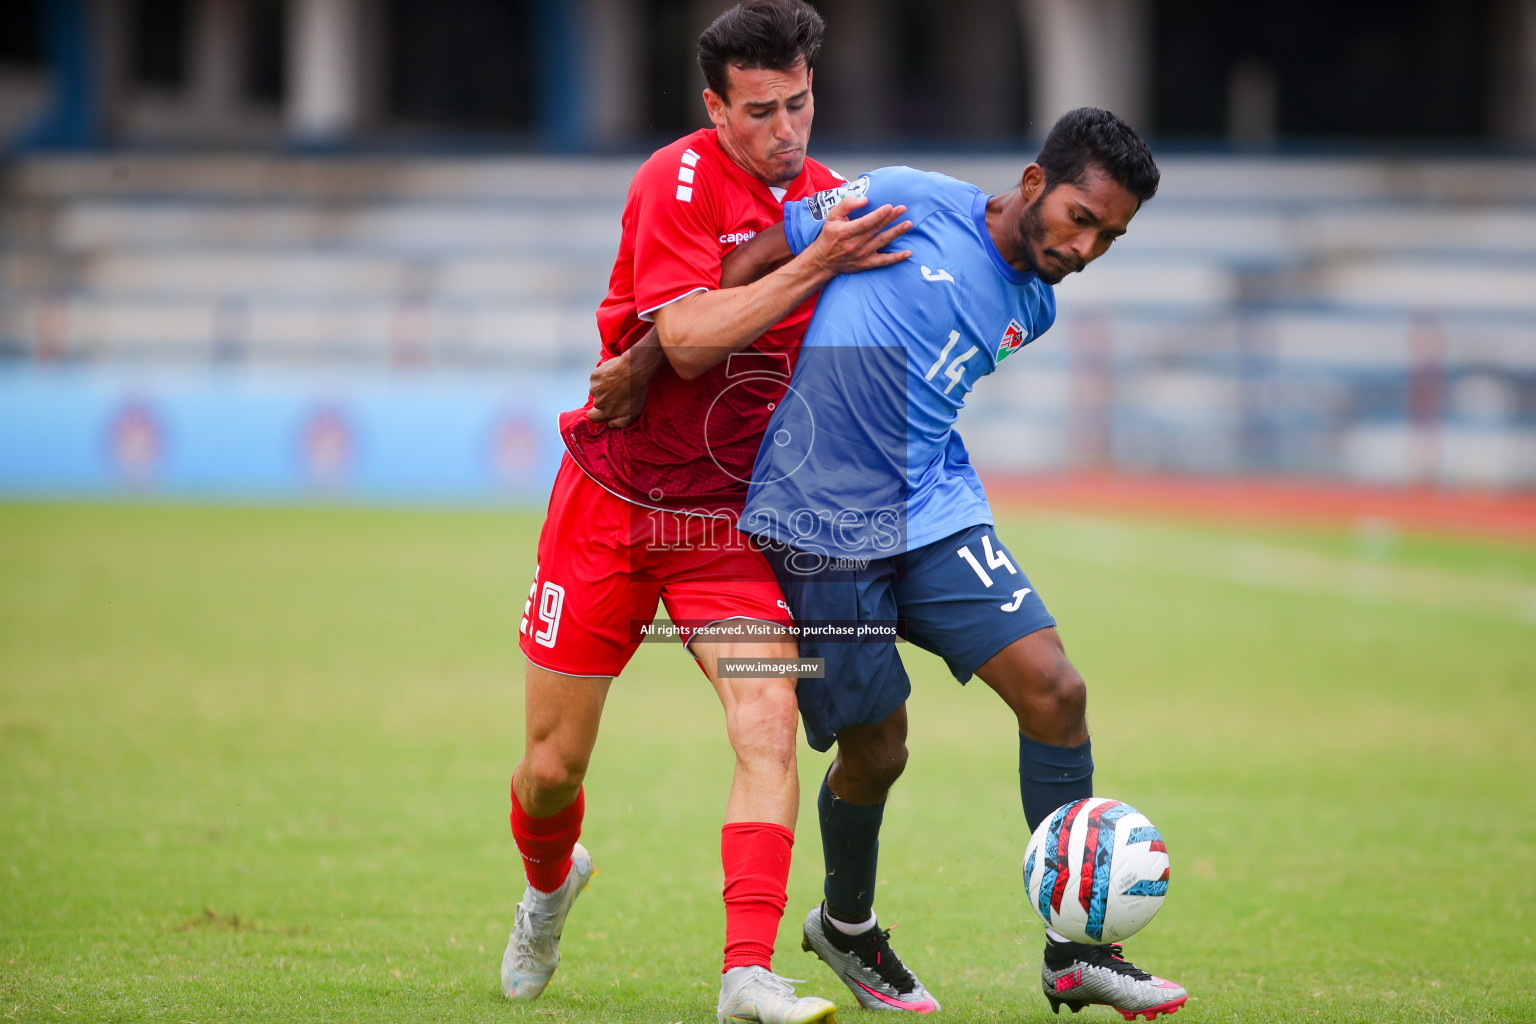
column 850, row 847
column 1051, row 776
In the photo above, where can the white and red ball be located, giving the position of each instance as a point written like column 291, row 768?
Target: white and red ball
column 1096, row 870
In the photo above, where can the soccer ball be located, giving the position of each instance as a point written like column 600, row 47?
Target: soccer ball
column 1096, row 870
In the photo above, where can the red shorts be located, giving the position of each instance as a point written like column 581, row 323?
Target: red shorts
column 605, row 563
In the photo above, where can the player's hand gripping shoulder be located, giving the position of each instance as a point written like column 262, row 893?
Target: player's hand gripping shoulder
column 848, row 244
column 700, row 330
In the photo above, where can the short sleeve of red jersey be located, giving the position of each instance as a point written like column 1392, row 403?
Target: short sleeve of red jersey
column 677, row 247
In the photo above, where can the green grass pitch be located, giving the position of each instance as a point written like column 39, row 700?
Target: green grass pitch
column 253, row 766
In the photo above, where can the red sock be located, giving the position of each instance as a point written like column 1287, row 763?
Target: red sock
column 755, row 855
column 546, row 843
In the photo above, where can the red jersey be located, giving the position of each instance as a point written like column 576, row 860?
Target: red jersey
column 694, row 444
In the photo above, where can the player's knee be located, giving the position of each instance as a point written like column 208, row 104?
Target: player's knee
column 1069, row 693
column 882, row 765
column 870, row 760
column 762, row 725
column 551, row 773
column 1060, row 706
column 1048, row 692
column 781, row 714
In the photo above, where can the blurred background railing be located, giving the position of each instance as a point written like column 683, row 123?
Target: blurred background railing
column 193, row 302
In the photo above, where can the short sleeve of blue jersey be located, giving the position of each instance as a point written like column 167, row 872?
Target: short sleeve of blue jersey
column 804, row 218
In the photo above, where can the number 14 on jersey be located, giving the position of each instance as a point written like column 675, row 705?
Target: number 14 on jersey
column 956, row 369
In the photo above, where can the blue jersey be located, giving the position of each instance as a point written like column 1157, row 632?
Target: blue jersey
column 861, row 458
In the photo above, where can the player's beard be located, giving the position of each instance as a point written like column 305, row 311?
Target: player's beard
column 1049, row 265
column 790, row 169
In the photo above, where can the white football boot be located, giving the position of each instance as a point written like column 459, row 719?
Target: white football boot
column 533, row 949
column 1075, row 974
column 758, row 996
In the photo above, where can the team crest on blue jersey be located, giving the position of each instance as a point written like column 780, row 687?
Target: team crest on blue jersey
column 1013, row 340
column 821, row 203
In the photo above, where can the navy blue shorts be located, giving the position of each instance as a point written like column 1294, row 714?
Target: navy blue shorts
column 964, row 598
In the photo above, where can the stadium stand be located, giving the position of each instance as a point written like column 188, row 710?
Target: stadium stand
column 1316, row 315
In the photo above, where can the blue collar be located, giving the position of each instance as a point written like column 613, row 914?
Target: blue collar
column 979, row 215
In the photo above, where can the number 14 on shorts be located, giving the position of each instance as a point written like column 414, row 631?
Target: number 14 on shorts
column 996, row 559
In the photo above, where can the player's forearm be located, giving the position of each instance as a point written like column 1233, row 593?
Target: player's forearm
column 766, row 252
column 700, row 331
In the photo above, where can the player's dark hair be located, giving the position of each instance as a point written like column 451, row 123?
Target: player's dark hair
column 771, row 34
column 1089, row 137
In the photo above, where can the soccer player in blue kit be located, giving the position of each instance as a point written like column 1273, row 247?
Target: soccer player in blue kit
column 865, row 502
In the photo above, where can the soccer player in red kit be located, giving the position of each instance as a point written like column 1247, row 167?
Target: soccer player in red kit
column 645, row 514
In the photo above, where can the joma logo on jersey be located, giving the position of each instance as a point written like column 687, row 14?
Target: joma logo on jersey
column 1013, row 340
column 821, row 203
